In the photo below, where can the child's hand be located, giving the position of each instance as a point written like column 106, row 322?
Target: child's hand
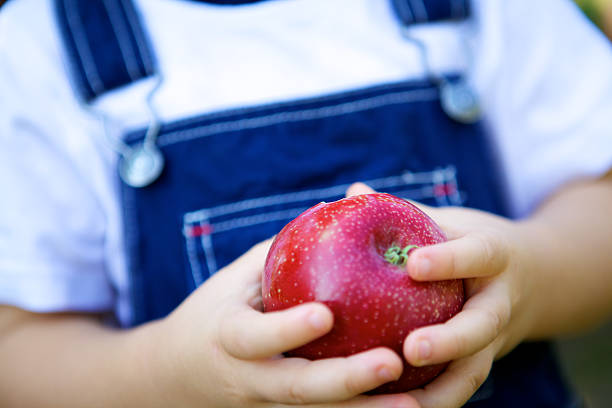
column 488, row 252
column 219, row 350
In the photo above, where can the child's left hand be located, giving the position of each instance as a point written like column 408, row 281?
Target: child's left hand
column 492, row 255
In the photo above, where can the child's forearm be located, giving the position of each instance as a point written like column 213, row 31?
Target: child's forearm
column 570, row 243
column 74, row 361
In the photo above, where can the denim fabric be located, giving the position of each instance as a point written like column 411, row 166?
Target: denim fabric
column 426, row 11
column 229, row 2
column 105, row 43
column 408, row 11
column 528, row 377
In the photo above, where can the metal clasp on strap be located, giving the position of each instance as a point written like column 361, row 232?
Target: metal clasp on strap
column 457, row 98
column 107, row 48
column 141, row 165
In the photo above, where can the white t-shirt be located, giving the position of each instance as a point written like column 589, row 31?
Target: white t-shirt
column 543, row 72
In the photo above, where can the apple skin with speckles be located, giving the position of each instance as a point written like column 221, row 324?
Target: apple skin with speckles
column 334, row 253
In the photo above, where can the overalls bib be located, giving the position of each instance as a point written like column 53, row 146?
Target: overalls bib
column 236, row 177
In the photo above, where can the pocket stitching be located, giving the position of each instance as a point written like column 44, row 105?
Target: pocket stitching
column 440, row 184
column 411, row 96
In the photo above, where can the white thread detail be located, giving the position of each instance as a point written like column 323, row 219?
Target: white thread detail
column 451, row 179
column 257, row 219
column 196, row 270
column 419, row 10
column 125, row 46
column 431, row 180
column 405, row 10
column 275, row 105
column 75, row 25
column 439, row 181
column 406, row 178
column 298, row 116
column 140, row 41
column 209, row 252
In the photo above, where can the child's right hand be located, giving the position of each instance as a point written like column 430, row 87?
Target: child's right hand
column 219, row 350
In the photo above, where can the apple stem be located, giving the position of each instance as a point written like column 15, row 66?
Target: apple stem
column 398, row 256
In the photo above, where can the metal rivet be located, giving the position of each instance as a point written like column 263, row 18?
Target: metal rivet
column 460, row 102
column 141, row 166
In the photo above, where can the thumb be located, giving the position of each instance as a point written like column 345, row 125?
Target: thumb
column 359, row 188
column 362, row 188
column 249, row 266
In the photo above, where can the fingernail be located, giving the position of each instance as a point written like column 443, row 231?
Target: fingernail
column 317, row 321
column 424, row 350
column 385, row 374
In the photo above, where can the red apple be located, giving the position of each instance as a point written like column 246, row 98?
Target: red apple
column 350, row 255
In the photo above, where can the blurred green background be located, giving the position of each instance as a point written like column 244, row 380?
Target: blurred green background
column 587, row 362
column 600, row 12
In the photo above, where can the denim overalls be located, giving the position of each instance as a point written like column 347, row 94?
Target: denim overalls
column 236, row 177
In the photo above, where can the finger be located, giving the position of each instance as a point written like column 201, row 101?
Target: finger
column 482, row 319
column 300, row 381
column 249, row 334
column 253, row 297
column 457, row 383
column 364, row 401
column 359, row 188
column 474, row 255
column 248, row 268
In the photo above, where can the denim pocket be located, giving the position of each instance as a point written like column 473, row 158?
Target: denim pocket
column 216, row 236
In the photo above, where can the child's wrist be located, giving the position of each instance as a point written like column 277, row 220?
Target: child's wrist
column 153, row 375
column 538, row 261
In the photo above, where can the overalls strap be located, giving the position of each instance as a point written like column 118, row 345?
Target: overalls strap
column 106, row 44
column 411, row 12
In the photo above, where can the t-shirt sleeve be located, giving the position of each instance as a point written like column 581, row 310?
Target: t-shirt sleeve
column 52, row 226
column 545, row 74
